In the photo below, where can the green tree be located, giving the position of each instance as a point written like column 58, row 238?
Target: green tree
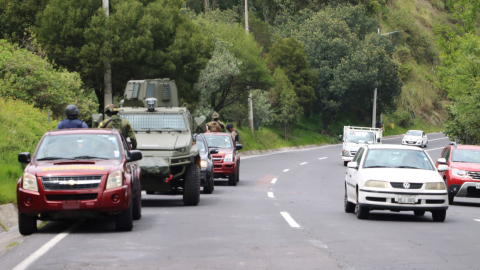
column 17, row 17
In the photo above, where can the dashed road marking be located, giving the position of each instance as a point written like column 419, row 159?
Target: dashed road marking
column 303, row 163
column 439, row 139
column 274, row 180
column 477, row 220
column 290, row 220
column 286, row 170
column 318, row 244
column 322, row 158
column 434, row 149
column 270, row 194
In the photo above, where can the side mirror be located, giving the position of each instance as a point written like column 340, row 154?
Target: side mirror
column 24, row 157
column 339, row 137
column 214, row 151
column 378, row 140
column 442, row 161
column 442, row 168
column 134, row 155
column 352, row 165
column 238, row 147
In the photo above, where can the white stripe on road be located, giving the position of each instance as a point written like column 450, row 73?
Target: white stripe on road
column 434, row 149
column 270, row 194
column 287, row 151
column 439, row 139
column 290, row 220
column 286, row 170
column 318, row 244
column 322, row 158
column 46, row 247
column 274, row 180
column 477, row 220
column 303, row 163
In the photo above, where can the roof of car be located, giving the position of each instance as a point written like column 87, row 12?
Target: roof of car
column 393, row 146
column 83, row 131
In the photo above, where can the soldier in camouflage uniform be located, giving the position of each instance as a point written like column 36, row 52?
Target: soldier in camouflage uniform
column 233, row 132
column 118, row 123
column 215, row 125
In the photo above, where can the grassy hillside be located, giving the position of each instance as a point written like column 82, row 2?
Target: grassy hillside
column 22, row 127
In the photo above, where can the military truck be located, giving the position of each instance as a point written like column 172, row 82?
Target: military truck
column 171, row 160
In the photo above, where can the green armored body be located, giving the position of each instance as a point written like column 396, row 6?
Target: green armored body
column 164, row 133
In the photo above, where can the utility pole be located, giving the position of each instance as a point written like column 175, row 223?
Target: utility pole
column 250, row 95
column 107, row 76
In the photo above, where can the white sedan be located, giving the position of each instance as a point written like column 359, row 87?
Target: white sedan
column 396, row 178
column 415, row 137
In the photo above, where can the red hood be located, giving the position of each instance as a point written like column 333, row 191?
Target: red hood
column 223, row 151
column 65, row 168
column 472, row 167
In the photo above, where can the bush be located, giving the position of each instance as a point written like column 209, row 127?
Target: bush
column 403, row 119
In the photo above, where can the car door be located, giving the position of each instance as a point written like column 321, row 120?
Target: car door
column 351, row 173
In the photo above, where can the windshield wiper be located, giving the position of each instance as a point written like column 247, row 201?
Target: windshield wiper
column 89, row 157
column 407, row 167
column 376, row 167
column 52, row 158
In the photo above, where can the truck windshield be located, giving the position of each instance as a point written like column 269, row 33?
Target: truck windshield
column 465, row 155
column 355, row 136
column 216, row 141
column 155, row 121
column 79, row 146
column 397, row 158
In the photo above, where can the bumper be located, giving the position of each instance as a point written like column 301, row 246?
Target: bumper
column 412, row 143
column 467, row 189
column 227, row 168
column 388, row 200
column 347, row 158
column 88, row 201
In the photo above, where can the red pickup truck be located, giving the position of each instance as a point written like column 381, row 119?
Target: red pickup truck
column 76, row 173
column 226, row 163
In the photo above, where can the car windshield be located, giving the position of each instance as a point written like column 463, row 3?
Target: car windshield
column 397, row 158
column 201, row 146
column 466, row 155
column 79, row 146
column 360, row 136
column 218, row 141
column 155, row 121
column 414, row 133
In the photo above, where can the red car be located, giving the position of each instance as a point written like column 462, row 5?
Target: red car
column 463, row 175
column 226, row 163
column 77, row 173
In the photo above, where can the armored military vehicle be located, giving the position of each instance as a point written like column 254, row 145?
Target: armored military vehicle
column 171, row 160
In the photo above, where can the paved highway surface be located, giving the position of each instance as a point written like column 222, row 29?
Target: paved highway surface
column 286, row 213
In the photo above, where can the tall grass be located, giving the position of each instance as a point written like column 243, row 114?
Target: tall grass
column 22, row 127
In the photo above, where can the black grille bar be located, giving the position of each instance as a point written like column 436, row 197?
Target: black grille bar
column 72, row 197
column 412, row 185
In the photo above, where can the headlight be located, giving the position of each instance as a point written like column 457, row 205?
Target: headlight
column 203, row 164
column 376, row 184
column 345, row 153
column 457, row 172
column 228, row 158
column 181, row 150
column 114, row 180
column 436, row 185
column 29, row 182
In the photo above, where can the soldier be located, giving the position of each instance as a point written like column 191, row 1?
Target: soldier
column 72, row 120
column 215, row 125
column 118, row 123
column 233, row 132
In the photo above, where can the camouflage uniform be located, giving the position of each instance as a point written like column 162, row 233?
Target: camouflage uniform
column 121, row 124
column 216, row 125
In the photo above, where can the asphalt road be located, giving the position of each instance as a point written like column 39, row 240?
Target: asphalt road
column 296, row 222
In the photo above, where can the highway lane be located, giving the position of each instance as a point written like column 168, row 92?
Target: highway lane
column 252, row 226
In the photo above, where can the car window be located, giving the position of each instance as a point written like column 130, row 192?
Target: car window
column 446, row 154
column 397, row 158
column 218, row 141
column 201, row 145
column 357, row 155
column 466, row 155
column 360, row 155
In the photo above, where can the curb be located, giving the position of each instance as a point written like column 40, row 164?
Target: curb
column 8, row 217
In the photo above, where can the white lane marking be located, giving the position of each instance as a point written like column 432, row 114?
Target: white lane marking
column 434, row 149
column 286, row 170
column 290, row 220
column 322, row 158
column 477, row 220
column 270, row 194
column 303, row 163
column 46, row 247
column 438, row 139
column 274, row 180
column 287, row 151
column 318, row 244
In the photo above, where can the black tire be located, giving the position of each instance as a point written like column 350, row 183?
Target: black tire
column 348, row 206
column 208, row 189
column 439, row 215
column 451, row 199
column 124, row 220
column 232, row 179
column 238, row 172
column 149, row 192
column 419, row 213
column 137, row 202
column 362, row 211
column 191, row 190
column 27, row 224
column 345, row 163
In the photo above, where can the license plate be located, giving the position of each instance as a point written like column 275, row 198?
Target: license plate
column 68, row 205
column 406, row 199
column 478, row 185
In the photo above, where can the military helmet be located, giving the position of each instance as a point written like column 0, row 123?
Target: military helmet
column 215, row 115
column 71, row 110
column 112, row 108
column 229, row 126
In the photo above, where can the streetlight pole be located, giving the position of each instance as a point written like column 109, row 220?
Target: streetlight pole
column 107, row 76
column 250, row 95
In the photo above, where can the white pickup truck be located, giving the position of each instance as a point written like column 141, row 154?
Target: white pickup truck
column 355, row 137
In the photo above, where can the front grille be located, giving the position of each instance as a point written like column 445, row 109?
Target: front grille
column 474, row 175
column 434, row 201
column 473, row 192
column 412, row 185
column 72, row 197
column 375, row 199
column 353, row 153
column 71, row 182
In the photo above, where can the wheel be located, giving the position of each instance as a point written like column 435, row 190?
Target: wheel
column 150, row 192
column 450, row 199
column 208, row 189
column 238, row 172
column 439, row 215
column 345, row 163
column 191, row 190
column 124, row 220
column 27, row 224
column 232, row 179
column 362, row 211
column 348, row 206
column 419, row 213
column 137, row 203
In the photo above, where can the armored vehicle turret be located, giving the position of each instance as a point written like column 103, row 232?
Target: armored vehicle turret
column 164, row 132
